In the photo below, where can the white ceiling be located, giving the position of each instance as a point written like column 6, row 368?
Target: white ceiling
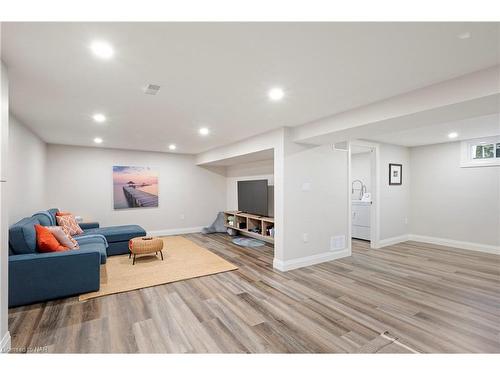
column 478, row 127
column 217, row 75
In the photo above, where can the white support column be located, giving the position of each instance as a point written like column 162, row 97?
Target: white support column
column 4, row 250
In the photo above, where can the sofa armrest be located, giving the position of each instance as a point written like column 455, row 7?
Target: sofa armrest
column 90, row 225
column 44, row 276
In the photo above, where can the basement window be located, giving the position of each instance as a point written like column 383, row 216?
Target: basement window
column 480, row 152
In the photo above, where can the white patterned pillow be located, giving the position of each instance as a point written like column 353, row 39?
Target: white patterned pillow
column 69, row 222
column 62, row 235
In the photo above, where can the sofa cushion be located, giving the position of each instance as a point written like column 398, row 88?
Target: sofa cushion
column 22, row 236
column 118, row 233
column 117, row 248
column 99, row 246
column 89, row 225
column 44, row 217
column 93, row 241
column 52, row 212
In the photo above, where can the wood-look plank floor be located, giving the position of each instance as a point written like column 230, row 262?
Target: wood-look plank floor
column 429, row 298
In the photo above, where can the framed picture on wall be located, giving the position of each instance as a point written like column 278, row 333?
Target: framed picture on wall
column 395, row 174
column 134, row 187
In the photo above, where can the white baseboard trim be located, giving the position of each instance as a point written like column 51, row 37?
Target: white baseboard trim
column 458, row 244
column 172, row 232
column 391, row 241
column 287, row 265
column 5, row 343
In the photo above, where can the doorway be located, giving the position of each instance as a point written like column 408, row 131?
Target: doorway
column 363, row 193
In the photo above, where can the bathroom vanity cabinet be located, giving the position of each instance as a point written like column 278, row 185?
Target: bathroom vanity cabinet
column 361, row 220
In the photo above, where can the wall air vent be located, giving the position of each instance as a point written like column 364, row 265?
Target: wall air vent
column 152, row 89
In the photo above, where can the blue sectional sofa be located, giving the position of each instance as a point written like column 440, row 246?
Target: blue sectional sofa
column 36, row 277
column 117, row 237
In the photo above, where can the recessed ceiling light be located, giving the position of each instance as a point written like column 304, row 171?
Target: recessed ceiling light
column 204, row 131
column 453, row 135
column 102, row 49
column 465, row 35
column 97, row 140
column 172, row 147
column 276, row 94
column 99, row 117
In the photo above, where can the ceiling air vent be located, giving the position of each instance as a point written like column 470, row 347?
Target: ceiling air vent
column 152, row 89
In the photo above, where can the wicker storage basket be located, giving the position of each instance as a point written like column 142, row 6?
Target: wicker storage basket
column 140, row 246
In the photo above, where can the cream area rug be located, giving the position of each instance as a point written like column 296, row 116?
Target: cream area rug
column 183, row 259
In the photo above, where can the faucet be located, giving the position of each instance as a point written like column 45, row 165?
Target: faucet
column 362, row 190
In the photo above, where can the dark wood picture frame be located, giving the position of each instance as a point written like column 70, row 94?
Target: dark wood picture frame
column 391, row 178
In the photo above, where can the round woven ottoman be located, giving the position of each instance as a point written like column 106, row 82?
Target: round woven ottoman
column 145, row 245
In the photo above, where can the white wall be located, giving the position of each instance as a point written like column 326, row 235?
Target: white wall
column 4, row 249
column 80, row 181
column 261, row 170
column 361, row 170
column 315, row 204
column 449, row 202
column 27, row 173
column 394, row 199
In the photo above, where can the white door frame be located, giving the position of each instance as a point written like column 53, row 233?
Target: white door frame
column 375, row 184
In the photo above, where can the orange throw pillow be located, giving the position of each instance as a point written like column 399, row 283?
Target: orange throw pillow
column 46, row 242
column 63, row 213
column 70, row 224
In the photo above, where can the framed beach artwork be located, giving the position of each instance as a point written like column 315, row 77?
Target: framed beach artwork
column 134, row 187
column 395, row 174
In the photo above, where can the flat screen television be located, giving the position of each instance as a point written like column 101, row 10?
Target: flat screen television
column 252, row 197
